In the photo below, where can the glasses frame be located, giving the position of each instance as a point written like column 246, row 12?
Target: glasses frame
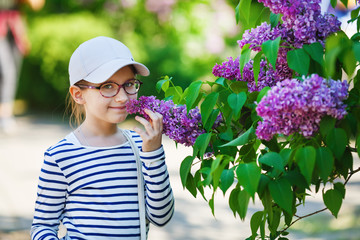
column 118, row 90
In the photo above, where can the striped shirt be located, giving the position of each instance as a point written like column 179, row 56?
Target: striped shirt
column 93, row 191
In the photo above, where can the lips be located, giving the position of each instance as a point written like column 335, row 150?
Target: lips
column 118, row 107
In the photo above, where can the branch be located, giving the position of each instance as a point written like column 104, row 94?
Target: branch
column 351, row 173
column 301, row 217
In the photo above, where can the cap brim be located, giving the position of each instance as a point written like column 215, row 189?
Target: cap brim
column 105, row 71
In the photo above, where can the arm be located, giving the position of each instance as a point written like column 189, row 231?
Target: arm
column 50, row 201
column 158, row 195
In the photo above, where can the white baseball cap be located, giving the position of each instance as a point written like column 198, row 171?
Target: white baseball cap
column 97, row 59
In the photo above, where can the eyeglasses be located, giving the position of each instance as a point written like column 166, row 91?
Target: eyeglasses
column 111, row 89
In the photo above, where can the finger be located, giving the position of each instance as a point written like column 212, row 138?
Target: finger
column 147, row 125
column 141, row 132
column 156, row 119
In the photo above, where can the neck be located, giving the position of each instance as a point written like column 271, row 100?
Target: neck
column 99, row 130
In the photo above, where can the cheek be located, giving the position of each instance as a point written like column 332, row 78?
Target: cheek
column 133, row 97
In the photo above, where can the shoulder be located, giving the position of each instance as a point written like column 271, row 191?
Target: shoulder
column 65, row 144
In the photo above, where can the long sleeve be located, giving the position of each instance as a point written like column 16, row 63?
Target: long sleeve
column 50, row 201
column 158, row 192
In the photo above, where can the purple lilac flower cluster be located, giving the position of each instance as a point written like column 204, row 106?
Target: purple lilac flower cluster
column 230, row 70
column 302, row 23
column 298, row 106
column 181, row 127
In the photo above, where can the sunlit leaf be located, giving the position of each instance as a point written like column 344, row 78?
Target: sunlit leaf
column 271, row 49
column 305, row 158
column 282, row 194
column 249, row 176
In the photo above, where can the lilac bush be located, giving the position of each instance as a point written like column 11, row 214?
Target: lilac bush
column 298, row 106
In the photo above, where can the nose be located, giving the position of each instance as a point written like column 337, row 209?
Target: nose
column 122, row 96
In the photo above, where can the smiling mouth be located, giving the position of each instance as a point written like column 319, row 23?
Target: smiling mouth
column 119, row 108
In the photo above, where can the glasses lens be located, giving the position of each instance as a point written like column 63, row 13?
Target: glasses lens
column 109, row 89
column 132, row 86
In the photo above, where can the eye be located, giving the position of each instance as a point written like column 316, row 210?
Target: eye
column 108, row 86
column 129, row 84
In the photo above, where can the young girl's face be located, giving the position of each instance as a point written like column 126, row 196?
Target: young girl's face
column 109, row 110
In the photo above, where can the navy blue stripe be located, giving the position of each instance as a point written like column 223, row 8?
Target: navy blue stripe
column 102, row 203
column 105, row 218
column 157, row 183
column 50, row 204
column 104, row 195
column 100, row 173
column 159, row 156
column 51, row 172
column 102, row 157
column 101, row 210
column 52, row 181
column 155, row 167
column 95, row 166
column 104, row 226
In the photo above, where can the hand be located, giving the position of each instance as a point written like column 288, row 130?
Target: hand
column 152, row 135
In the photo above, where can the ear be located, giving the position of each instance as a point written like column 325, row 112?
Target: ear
column 77, row 94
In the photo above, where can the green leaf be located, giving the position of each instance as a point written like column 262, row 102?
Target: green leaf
column 249, row 176
column 315, row 51
column 208, row 105
column 305, row 158
column 236, row 102
column 175, row 93
column 242, row 139
column 337, row 140
column 185, row 168
column 255, row 222
column 299, row 61
column 333, row 200
column 226, row 179
column 271, row 49
column 327, row 123
column 201, row 143
column 244, row 56
column 349, row 62
column 281, row 192
column 273, row 159
column 324, row 162
column 243, row 200
column 358, row 145
column 210, row 122
column 233, row 200
column 239, row 86
column 274, row 19
column 256, row 66
column 262, row 93
column 192, row 94
column 244, row 10
column 211, row 205
column 286, row 154
column 333, row 3
column 191, row 185
column 340, row 187
column 333, row 49
column 162, row 85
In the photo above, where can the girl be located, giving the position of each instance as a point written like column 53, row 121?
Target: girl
column 89, row 180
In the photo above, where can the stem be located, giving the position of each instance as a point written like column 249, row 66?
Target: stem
column 351, row 173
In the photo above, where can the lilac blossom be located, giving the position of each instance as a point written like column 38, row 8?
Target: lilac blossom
column 179, row 126
column 302, row 23
column 298, row 106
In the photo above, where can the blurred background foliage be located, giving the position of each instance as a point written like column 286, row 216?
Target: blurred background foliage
column 179, row 38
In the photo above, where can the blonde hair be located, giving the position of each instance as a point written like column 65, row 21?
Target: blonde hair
column 75, row 110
